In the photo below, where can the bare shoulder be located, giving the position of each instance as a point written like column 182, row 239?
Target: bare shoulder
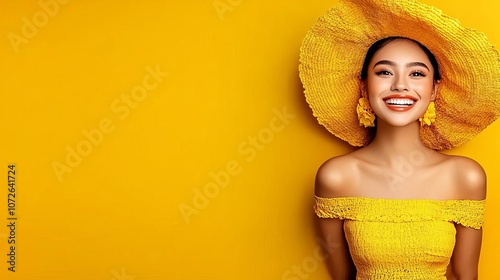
column 469, row 178
column 335, row 176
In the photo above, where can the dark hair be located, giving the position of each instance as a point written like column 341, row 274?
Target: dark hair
column 382, row 42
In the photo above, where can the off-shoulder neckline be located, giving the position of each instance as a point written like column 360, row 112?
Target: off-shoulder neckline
column 398, row 199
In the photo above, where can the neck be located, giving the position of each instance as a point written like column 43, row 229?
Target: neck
column 392, row 144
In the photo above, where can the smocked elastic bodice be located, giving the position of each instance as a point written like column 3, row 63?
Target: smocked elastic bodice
column 398, row 238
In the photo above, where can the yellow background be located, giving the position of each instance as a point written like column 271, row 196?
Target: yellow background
column 231, row 105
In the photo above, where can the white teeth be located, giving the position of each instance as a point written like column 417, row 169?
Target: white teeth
column 402, row 102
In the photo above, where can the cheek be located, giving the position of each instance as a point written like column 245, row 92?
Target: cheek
column 375, row 87
column 424, row 88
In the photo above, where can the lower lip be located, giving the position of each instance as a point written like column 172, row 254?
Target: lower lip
column 400, row 108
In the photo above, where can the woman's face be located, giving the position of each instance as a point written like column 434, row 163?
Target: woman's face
column 400, row 82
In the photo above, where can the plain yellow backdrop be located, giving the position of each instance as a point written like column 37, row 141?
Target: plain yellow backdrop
column 171, row 140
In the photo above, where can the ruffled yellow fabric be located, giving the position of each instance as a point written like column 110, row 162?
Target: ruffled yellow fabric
column 365, row 114
column 401, row 238
column 430, row 115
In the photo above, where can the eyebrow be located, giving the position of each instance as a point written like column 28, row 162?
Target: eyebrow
column 392, row 63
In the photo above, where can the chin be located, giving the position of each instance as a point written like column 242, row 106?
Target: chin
column 400, row 122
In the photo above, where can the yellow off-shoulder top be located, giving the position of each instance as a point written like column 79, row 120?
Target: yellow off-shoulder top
column 401, row 238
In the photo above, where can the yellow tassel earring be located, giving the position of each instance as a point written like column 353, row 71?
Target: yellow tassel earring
column 429, row 116
column 365, row 113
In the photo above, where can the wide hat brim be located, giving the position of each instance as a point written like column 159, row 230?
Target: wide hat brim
column 333, row 51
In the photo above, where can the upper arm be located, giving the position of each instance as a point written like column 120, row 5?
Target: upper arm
column 330, row 182
column 471, row 184
column 465, row 259
column 338, row 259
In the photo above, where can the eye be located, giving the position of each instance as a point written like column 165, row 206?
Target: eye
column 417, row 73
column 383, row 73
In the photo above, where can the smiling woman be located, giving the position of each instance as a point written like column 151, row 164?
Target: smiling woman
column 400, row 77
column 382, row 220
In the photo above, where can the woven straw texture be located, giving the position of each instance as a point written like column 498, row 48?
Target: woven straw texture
column 333, row 51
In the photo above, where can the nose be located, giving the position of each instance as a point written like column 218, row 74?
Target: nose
column 400, row 84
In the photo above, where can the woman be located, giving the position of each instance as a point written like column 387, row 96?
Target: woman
column 396, row 208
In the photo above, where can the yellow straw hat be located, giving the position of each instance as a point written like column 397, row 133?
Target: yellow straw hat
column 333, row 51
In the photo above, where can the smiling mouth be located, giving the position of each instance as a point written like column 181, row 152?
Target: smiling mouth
column 400, row 103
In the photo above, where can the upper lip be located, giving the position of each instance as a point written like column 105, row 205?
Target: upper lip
column 399, row 96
